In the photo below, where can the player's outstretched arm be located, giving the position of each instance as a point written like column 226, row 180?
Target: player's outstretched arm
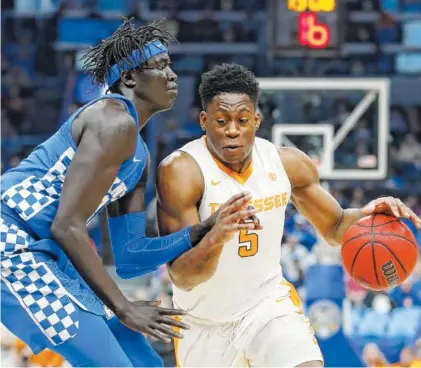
column 134, row 253
column 319, row 206
column 180, row 189
column 108, row 138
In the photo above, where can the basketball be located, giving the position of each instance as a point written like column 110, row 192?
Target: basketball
column 379, row 252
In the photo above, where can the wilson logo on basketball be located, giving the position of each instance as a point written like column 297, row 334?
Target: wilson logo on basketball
column 390, row 273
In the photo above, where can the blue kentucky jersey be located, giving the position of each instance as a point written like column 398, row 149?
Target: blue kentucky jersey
column 33, row 188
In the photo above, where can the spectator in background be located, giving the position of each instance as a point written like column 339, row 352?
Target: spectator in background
column 408, row 359
column 341, row 198
column 341, row 113
column 357, row 198
column 379, row 301
column 414, row 117
column 191, row 124
column 407, row 294
column 396, row 179
column 324, row 253
column 294, row 260
column 303, row 230
column 167, row 141
column 206, row 29
column 363, row 134
column 355, row 292
column 417, row 348
column 398, row 124
column 412, row 5
column 386, row 29
column 414, row 204
column 410, row 150
column 173, row 24
column 8, row 352
column 23, row 53
column 373, row 357
column 7, row 129
column 16, row 159
column 386, row 33
column 76, row 105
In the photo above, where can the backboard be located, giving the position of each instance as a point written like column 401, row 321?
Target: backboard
column 362, row 96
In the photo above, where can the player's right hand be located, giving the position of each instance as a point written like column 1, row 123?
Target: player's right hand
column 148, row 318
column 233, row 216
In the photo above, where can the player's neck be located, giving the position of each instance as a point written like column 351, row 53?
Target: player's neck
column 239, row 168
column 143, row 112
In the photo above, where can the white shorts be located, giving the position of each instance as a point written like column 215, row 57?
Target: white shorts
column 274, row 334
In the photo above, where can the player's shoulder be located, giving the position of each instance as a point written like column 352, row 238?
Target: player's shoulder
column 266, row 148
column 195, row 147
column 178, row 164
column 179, row 173
column 298, row 166
column 184, row 159
column 292, row 154
column 108, row 114
column 264, row 143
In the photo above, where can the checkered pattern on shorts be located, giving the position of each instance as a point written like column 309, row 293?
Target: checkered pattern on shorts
column 36, row 287
column 33, row 194
column 12, row 239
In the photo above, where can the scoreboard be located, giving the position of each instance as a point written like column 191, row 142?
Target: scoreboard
column 306, row 27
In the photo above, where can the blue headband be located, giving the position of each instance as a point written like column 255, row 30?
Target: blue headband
column 138, row 57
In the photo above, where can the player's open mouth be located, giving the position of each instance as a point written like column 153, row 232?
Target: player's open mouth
column 232, row 147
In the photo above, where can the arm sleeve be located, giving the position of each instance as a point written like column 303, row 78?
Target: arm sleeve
column 134, row 253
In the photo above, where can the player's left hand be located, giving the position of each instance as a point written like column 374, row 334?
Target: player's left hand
column 211, row 220
column 392, row 207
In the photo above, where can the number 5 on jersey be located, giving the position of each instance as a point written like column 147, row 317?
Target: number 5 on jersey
column 251, row 244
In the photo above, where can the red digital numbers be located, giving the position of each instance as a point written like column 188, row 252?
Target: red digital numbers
column 312, row 33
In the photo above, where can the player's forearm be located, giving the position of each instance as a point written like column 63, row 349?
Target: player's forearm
column 75, row 242
column 196, row 266
column 135, row 254
column 349, row 217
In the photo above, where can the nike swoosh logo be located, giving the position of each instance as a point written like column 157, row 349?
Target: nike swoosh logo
column 215, row 183
column 136, row 160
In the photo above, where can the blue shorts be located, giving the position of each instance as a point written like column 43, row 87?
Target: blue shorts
column 45, row 303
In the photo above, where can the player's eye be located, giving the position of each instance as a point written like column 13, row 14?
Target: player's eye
column 244, row 120
column 220, row 121
column 164, row 65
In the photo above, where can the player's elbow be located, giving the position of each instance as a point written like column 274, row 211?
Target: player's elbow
column 181, row 280
column 329, row 236
column 62, row 228
column 57, row 228
column 332, row 240
column 187, row 281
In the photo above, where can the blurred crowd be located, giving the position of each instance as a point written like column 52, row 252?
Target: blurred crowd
column 41, row 84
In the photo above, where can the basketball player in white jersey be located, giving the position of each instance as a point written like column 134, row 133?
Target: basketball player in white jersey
column 242, row 312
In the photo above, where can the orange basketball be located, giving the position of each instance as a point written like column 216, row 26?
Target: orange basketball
column 379, row 252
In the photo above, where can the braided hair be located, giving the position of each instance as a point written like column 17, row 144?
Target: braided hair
column 120, row 45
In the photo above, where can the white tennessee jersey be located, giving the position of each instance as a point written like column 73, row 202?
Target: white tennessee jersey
column 249, row 267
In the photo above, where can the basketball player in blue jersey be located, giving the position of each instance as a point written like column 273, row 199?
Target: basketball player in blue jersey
column 56, row 292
